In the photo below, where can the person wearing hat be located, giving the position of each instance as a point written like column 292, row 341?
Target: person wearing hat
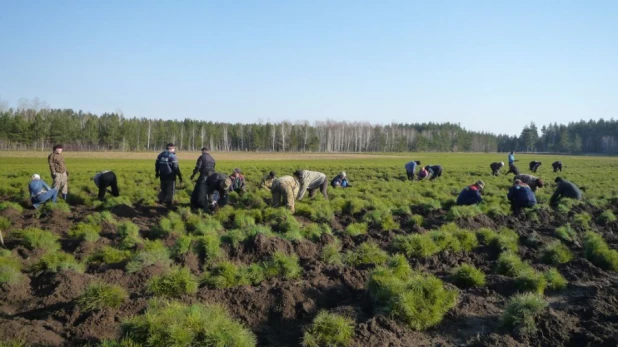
column 205, row 164
column 422, row 174
column 59, row 173
column 534, row 165
column 40, row 192
column 557, row 165
column 267, row 180
column 532, row 181
column 341, row 180
column 220, row 184
column 565, row 189
column 521, row 196
column 167, row 169
column 238, row 182
column 311, row 181
column 284, row 191
column 105, row 179
column 411, row 169
column 471, row 195
column 495, row 167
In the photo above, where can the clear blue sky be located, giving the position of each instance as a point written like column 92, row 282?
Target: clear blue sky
column 489, row 65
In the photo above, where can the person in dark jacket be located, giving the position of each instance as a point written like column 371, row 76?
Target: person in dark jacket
column 471, row 195
column 495, row 167
column 521, row 196
column 341, row 180
column 238, row 182
column 40, row 192
column 411, row 168
column 205, row 164
column 534, row 165
column 565, row 189
column 105, row 179
column 434, row 171
column 167, row 169
column 217, row 184
column 531, row 181
column 557, row 165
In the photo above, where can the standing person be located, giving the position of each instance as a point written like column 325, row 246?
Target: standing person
column 167, row 169
column 40, row 192
column 512, row 167
column 471, row 195
column 521, row 196
column 205, row 164
column 565, row 189
column 532, row 181
column 59, row 173
column 106, row 179
column 495, row 167
column 311, row 181
column 534, row 165
column 217, row 187
column 284, row 191
column 341, row 180
column 434, row 171
column 238, row 182
column 511, row 158
column 267, row 180
column 411, row 169
column 557, row 165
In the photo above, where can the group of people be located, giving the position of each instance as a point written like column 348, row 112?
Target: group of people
column 212, row 189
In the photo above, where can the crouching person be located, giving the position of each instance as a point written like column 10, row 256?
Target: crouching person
column 495, row 167
column 340, row 180
column 238, row 182
column 521, row 196
column 565, row 189
column 40, row 192
column 217, row 188
column 532, row 181
column 105, row 179
column 534, row 165
column 557, row 165
column 311, row 181
column 471, row 195
column 284, row 191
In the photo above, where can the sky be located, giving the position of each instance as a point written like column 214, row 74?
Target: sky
column 489, row 65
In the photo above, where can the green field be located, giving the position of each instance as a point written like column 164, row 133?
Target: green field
column 387, row 250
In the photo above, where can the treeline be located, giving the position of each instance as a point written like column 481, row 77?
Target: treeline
column 28, row 128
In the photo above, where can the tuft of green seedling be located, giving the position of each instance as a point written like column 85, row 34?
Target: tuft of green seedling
column 281, row 265
column 331, row 253
column 85, row 231
column 99, row 296
column 522, row 311
column 109, row 255
column 58, row 261
column 598, row 252
column 34, row 238
column 329, row 329
column 10, row 268
column 555, row 280
column 467, row 276
column 129, row 235
column 154, row 252
column 365, row 254
column 355, row 229
column 566, row 233
column 556, row 253
column 175, row 283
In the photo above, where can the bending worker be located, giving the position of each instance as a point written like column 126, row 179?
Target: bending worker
column 565, row 189
column 284, row 191
column 267, row 180
column 532, row 181
column 471, row 195
column 495, row 167
column 106, row 179
column 411, row 169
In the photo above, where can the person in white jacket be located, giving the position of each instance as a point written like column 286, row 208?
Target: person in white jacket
column 311, row 181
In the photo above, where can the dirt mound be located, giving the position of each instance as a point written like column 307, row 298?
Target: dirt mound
column 36, row 332
column 263, row 247
column 124, row 211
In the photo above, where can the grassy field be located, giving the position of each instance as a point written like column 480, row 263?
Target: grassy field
column 386, row 261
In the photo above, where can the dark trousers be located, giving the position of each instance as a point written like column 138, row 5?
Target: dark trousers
column 535, row 167
column 436, row 174
column 199, row 197
column 323, row 189
column 168, row 188
column 558, row 167
column 410, row 175
column 513, row 169
column 106, row 180
column 495, row 172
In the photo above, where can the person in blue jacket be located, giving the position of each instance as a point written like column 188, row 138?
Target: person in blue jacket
column 40, row 192
column 521, row 196
column 471, row 195
column 166, row 168
column 411, row 168
column 341, row 180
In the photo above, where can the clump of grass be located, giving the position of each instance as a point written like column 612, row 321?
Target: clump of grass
column 522, row 311
column 555, row 280
column 242, row 219
column 209, row 247
column 109, row 255
column 463, row 212
column 198, row 225
column 129, row 235
column 415, row 245
column 225, row 275
column 58, row 261
column 583, row 220
column 176, row 324
column 510, row 264
column 468, row 276
column 182, row 245
column 11, row 205
column 607, row 217
column 566, row 233
column 530, row 280
column 60, row 206
column 485, row 236
column 284, row 266
column 331, row 253
column 319, row 213
column 154, row 252
column 171, row 225
column 34, row 238
column 506, row 240
column 421, row 301
column 366, row 253
column 85, row 231
column 598, row 252
column 113, row 201
column 355, row 229
column 445, row 240
column 417, row 220
column 99, row 296
column 329, row 329
column 10, row 268
column 314, row 231
column 175, row 283
column 556, row 253
column 355, row 206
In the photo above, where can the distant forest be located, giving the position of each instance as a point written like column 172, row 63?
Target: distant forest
column 36, row 128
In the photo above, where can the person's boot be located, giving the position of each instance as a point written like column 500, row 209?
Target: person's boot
column 64, row 196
